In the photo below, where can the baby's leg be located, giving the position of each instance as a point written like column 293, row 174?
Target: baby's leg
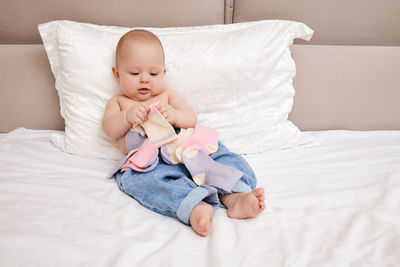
column 244, row 205
column 200, row 218
column 246, row 201
column 168, row 191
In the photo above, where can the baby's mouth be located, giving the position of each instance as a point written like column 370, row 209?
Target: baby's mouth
column 143, row 90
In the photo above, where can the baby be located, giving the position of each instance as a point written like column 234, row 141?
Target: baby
column 168, row 189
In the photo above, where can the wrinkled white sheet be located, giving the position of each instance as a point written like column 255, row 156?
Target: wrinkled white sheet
column 333, row 205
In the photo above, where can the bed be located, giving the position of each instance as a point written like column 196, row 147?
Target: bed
column 331, row 202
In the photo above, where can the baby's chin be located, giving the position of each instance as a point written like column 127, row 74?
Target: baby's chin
column 144, row 95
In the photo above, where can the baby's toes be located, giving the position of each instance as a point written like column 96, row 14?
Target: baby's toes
column 258, row 192
column 262, row 202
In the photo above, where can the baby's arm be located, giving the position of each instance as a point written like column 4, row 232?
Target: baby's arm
column 114, row 122
column 178, row 112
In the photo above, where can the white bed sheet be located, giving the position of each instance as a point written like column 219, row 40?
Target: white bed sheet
column 333, row 205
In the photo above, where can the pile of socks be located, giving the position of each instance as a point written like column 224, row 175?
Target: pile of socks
column 190, row 147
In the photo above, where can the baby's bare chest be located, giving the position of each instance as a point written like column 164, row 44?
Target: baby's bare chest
column 126, row 103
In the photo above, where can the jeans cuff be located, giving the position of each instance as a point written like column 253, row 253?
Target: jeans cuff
column 189, row 202
column 242, row 187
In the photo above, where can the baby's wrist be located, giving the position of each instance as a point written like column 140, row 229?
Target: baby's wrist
column 175, row 118
column 125, row 117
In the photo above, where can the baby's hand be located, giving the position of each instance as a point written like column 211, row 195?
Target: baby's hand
column 137, row 114
column 168, row 112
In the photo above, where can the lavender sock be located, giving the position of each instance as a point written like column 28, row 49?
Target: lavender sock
column 205, row 170
column 133, row 140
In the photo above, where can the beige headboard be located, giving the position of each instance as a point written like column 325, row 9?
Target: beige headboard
column 339, row 22
column 346, row 79
column 19, row 19
column 335, row 22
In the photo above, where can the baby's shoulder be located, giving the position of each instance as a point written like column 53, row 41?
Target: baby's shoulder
column 121, row 101
column 171, row 93
column 115, row 98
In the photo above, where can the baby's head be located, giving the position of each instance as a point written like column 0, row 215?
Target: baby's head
column 139, row 65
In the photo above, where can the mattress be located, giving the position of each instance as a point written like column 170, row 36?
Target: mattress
column 333, row 205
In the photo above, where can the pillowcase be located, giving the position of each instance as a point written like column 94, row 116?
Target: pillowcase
column 237, row 77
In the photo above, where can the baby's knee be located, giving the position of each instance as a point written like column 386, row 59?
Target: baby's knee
column 132, row 182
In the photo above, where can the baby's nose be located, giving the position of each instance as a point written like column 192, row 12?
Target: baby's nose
column 144, row 79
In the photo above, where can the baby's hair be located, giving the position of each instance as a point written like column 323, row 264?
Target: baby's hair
column 137, row 35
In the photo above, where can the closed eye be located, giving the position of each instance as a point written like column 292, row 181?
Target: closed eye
column 134, row 73
column 153, row 74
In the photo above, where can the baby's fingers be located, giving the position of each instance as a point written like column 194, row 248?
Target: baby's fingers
column 165, row 114
column 141, row 116
column 143, row 108
column 160, row 107
column 163, row 110
column 146, row 108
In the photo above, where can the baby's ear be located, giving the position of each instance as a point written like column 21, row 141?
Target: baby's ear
column 116, row 73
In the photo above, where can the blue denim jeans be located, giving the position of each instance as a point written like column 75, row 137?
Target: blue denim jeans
column 168, row 190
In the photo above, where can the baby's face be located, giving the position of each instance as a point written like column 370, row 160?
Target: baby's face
column 141, row 70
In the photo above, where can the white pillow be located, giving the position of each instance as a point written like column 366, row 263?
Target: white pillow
column 237, row 77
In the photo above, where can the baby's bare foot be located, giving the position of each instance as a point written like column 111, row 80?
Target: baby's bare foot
column 200, row 218
column 244, row 205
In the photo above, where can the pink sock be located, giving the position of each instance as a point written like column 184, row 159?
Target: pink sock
column 144, row 159
column 145, row 154
column 168, row 151
column 204, row 138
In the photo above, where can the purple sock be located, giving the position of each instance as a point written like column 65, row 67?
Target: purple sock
column 205, row 170
column 133, row 140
